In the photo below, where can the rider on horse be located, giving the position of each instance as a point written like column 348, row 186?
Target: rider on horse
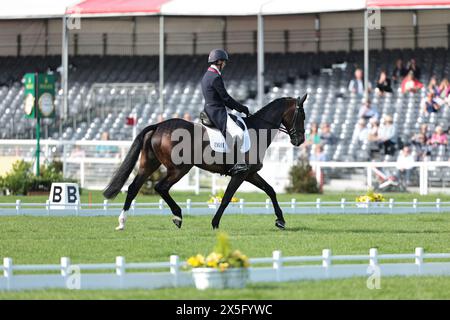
column 217, row 99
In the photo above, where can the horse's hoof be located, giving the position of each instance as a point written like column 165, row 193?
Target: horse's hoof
column 215, row 226
column 120, row 228
column 280, row 224
column 177, row 221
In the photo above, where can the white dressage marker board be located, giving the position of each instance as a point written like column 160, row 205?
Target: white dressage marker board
column 64, row 195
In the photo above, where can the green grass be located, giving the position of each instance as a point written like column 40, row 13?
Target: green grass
column 154, row 238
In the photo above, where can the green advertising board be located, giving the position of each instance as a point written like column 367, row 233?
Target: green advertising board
column 39, row 93
column 39, row 97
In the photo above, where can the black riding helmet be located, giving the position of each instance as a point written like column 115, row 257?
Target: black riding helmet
column 217, row 54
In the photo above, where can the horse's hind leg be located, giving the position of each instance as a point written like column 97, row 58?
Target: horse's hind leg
column 163, row 187
column 145, row 170
column 262, row 184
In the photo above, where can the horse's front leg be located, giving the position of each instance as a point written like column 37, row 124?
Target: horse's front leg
column 262, row 184
column 234, row 184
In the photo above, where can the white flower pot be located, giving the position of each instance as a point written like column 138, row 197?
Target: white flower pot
column 210, row 278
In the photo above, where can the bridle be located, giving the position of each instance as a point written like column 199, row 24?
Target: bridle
column 293, row 130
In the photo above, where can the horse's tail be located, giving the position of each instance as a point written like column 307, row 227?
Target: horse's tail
column 124, row 171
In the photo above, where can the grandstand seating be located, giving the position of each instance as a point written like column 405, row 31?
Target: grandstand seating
column 289, row 74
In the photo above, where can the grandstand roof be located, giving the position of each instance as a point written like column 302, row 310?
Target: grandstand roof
column 32, row 9
column 409, row 4
column 117, row 7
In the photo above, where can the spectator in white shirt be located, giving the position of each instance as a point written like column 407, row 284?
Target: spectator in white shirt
column 387, row 135
column 405, row 162
column 361, row 132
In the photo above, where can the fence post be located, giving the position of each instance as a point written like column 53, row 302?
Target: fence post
column 188, row 206
column 161, row 205
column 293, row 205
column 277, row 264
column 241, row 205
column 343, row 204
column 120, row 269
column 133, row 207
column 8, row 271
column 175, row 268
column 438, row 205
column 47, row 206
column 65, row 265
column 105, row 205
column 326, row 258
column 267, row 205
column 318, row 205
column 373, row 257
column 326, row 261
column 391, row 204
column 415, row 205
column 77, row 203
column 18, row 205
column 419, row 258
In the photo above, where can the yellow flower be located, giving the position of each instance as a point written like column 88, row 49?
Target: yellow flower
column 223, row 266
column 196, row 261
column 213, row 259
column 234, row 199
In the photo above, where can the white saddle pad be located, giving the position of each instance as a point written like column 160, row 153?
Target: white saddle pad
column 218, row 142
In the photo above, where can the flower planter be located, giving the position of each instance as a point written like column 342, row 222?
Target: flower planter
column 210, row 278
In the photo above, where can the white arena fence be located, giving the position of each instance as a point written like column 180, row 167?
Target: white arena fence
column 203, row 208
column 92, row 166
column 124, row 275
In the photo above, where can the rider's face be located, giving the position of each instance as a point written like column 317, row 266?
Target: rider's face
column 223, row 64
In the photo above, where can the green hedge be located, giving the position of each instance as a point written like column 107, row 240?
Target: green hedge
column 21, row 180
column 302, row 179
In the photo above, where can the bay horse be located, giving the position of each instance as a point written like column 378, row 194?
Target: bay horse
column 155, row 145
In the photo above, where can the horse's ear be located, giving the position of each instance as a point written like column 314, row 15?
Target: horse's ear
column 301, row 100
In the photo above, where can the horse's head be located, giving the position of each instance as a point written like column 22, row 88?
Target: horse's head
column 294, row 120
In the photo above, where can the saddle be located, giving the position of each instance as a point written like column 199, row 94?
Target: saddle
column 204, row 119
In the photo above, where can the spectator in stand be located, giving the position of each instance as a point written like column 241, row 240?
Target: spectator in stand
column 405, row 163
column 318, row 154
column 187, row 116
column 356, row 85
column 443, row 92
column 383, row 84
column 411, row 84
column 360, row 135
column 433, row 86
column 312, row 137
column 368, row 111
column 429, row 105
column 412, row 67
column 419, row 143
column 399, row 71
column 387, row 135
column 326, row 137
column 439, row 137
column 372, row 136
column 422, row 131
column 160, row 118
